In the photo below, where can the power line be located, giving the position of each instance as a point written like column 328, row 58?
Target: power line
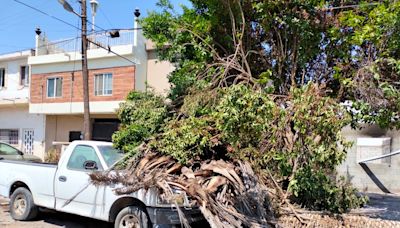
column 109, row 50
column 105, row 16
column 102, row 29
column 77, row 38
column 42, row 12
column 89, row 22
column 56, row 18
column 61, row 41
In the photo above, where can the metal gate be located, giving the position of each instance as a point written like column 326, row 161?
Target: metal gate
column 28, row 139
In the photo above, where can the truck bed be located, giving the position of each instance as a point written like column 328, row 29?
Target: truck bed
column 38, row 176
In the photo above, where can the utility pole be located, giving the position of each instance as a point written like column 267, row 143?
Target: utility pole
column 87, row 134
column 85, row 77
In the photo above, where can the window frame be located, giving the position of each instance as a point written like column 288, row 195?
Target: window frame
column 9, row 135
column 55, row 87
column 2, row 81
column 25, row 81
column 103, row 89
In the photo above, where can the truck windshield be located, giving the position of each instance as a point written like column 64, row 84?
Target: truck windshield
column 110, row 154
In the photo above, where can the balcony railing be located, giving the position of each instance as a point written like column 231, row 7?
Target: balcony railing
column 74, row 44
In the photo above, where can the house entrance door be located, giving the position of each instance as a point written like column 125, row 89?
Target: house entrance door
column 27, row 141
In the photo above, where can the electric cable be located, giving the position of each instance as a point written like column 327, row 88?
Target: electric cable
column 44, row 13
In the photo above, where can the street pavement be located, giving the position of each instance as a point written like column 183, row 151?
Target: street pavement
column 48, row 219
column 388, row 206
column 383, row 206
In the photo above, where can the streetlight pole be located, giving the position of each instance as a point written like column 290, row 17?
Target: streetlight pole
column 93, row 5
column 85, row 75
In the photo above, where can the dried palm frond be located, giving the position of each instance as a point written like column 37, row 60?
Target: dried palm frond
column 228, row 193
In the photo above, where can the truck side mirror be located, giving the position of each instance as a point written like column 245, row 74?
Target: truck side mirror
column 90, row 165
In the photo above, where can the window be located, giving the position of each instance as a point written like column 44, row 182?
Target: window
column 8, row 150
column 110, row 154
column 9, row 136
column 24, row 75
column 80, row 155
column 2, row 77
column 54, row 87
column 103, row 84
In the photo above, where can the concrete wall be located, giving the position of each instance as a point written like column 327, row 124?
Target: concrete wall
column 372, row 177
column 18, row 117
column 140, row 56
column 59, row 126
column 98, row 107
column 157, row 73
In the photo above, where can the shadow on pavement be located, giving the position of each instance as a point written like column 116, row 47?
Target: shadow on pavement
column 389, row 205
column 71, row 221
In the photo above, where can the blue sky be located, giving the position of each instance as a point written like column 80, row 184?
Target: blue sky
column 18, row 22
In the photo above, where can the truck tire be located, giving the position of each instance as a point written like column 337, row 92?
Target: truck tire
column 132, row 217
column 22, row 206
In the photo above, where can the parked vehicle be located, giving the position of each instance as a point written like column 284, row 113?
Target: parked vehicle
column 65, row 187
column 9, row 152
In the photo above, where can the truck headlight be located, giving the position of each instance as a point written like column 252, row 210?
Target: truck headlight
column 177, row 197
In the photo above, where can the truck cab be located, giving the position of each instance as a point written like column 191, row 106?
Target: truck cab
column 66, row 187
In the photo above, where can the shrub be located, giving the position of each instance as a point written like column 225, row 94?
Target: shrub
column 314, row 189
column 52, row 156
column 141, row 116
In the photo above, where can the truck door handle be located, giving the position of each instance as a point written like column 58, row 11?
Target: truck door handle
column 62, row 178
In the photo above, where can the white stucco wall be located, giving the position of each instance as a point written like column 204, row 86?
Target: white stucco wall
column 18, row 117
column 13, row 91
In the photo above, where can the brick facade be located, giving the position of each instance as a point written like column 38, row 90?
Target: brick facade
column 123, row 82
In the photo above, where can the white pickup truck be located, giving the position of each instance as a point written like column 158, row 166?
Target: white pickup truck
column 31, row 186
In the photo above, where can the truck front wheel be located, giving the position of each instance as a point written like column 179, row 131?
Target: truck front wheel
column 22, row 206
column 132, row 217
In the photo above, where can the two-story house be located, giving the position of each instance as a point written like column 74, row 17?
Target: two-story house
column 18, row 127
column 56, row 82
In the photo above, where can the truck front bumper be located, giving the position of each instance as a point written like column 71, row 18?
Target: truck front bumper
column 169, row 217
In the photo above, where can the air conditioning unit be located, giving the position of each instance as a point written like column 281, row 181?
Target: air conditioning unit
column 373, row 147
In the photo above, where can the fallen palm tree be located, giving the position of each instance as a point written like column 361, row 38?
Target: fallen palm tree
column 229, row 194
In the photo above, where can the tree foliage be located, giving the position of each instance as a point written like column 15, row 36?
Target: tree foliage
column 265, row 81
column 350, row 46
column 141, row 116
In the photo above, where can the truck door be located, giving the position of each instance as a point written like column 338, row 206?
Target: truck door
column 72, row 182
